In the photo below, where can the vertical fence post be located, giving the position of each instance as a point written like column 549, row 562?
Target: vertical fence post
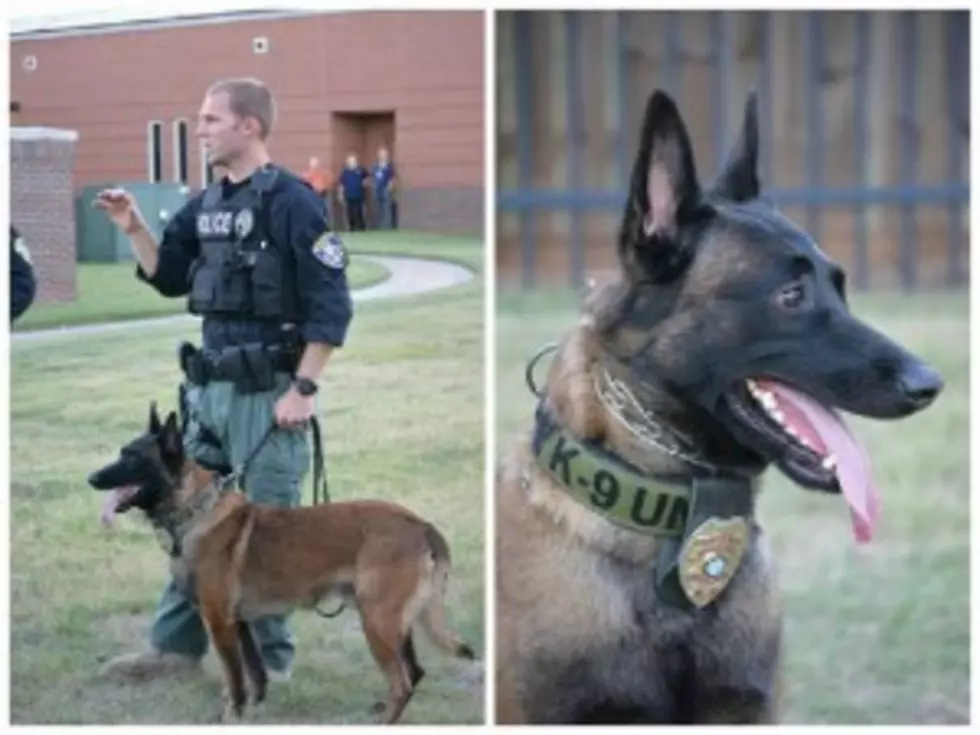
column 910, row 145
column 721, row 27
column 622, row 101
column 861, row 75
column 766, row 137
column 525, row 120
column 672, row 36
column 576, row 132
column 955, row 26
column 814, row 109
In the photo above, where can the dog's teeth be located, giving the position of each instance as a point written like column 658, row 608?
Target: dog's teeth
column 769, row 401
column 829, row 462
column 778, row 415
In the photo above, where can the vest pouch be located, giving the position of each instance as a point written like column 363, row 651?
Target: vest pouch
column 267, row 284
column 204, row 287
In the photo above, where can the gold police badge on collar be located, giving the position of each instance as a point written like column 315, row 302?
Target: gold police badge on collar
column 710, row 557
column 330, row 251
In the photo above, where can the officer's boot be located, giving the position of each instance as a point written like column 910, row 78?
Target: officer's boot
column 150, row 664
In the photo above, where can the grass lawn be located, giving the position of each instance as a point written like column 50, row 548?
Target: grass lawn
column 109, row 292
column 879, row 634
column 402, row 414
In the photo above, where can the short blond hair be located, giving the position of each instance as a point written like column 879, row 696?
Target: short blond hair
column 248, row 97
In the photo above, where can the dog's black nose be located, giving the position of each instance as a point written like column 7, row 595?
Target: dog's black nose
column 921, row 384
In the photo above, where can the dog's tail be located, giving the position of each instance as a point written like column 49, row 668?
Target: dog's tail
column 433, row 614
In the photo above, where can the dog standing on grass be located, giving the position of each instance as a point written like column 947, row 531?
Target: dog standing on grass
column 634, row 583
column 240, row 561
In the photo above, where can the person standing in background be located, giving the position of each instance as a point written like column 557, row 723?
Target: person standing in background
column 317, row 178
column 352, row 192
column 384, row 185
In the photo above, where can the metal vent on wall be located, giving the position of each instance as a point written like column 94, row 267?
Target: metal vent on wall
column 260, row 45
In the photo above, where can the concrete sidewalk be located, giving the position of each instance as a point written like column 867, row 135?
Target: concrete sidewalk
column 408, row 276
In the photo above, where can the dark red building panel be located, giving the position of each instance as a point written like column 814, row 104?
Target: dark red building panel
column 343, row 81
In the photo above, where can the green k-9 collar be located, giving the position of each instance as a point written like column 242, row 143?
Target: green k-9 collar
column 704, row 521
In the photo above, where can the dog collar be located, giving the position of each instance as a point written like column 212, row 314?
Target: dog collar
column 607, row 485
column 705, row 522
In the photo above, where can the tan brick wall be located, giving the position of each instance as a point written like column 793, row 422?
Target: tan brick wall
column 42, row 206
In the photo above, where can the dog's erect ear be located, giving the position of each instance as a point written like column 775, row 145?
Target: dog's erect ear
column 664, row 191
column 170, row 439
column 155, row 424
column 739, row 179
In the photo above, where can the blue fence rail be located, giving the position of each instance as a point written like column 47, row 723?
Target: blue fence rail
column 908, row 193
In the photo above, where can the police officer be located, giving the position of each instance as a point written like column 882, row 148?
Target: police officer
column 351, row 185
column 23, row 282
column 254, row 254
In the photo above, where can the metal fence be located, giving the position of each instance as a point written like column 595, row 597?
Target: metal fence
column 887, row 187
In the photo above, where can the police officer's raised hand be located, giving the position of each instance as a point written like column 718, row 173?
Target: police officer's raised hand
column 121, row 207
column 294, row 410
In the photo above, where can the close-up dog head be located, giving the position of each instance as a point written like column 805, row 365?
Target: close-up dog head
column 147, row 473
column 733, row 323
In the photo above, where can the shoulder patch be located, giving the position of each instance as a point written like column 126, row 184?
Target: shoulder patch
column 21, row 247
column 330, row 250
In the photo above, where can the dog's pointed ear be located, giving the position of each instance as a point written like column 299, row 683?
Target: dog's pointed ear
column 664, row 192
column 155, row 424
column 170, row 440
column 739, row 178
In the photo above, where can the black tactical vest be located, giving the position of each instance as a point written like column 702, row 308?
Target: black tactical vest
column 240, row 273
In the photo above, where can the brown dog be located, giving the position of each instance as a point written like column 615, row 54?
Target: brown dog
column 240, row 561
column 634, row 583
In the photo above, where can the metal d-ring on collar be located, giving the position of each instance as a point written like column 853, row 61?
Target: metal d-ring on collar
column 529, row 370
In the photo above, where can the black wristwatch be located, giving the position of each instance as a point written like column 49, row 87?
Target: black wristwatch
column 305, row 386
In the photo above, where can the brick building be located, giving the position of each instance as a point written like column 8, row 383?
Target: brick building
column 343, row 81
column 42, row 205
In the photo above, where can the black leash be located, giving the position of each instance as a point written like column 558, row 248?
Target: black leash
column 320, row 477
column 319, row 466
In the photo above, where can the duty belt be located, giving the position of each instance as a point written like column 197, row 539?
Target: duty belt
column 251, row 366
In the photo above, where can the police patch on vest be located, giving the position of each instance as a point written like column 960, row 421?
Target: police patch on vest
column 244, row 222
column 330, row 251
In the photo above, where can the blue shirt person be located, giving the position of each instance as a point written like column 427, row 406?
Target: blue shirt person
column 351, row 182
column 383, row 173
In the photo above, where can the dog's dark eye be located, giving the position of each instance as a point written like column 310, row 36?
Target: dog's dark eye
column 792, row 297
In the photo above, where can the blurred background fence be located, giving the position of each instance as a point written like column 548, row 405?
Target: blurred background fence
column 865, row 126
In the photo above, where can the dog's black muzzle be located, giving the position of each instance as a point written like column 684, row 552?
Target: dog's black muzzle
column 124, row 471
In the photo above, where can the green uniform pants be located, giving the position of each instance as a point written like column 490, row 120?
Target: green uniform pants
column 273, row 477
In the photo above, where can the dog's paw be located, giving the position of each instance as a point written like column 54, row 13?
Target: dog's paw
column 232, row 715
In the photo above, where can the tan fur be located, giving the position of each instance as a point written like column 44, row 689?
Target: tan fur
column 248, row 561
column 555, row 595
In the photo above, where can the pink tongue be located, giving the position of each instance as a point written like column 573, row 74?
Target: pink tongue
column 112, row 501
column 827, row 432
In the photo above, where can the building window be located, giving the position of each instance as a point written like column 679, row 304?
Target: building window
column 154, row 151
column 180, row 151
column 207, row 170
